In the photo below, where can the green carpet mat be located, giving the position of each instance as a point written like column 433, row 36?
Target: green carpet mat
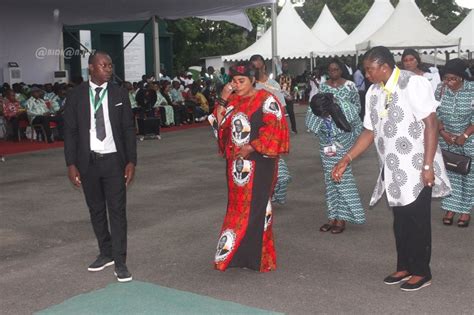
column 145, row 298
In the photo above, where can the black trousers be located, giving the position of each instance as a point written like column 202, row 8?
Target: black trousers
column 45, row 120
column 15, row 125
column 291, row 114
column 105, row 192
column 412, row 227
column 179, row 114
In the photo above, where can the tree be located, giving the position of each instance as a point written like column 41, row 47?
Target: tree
column 348, row 13
column 444, row 15
column 196, row 38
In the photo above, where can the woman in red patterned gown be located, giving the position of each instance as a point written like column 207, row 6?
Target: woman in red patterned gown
column 252, row 133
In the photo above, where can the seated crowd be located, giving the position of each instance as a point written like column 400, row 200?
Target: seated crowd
column 178, row 101
column 37, row 106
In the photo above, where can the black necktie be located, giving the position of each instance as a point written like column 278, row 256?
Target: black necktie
column 99, row 116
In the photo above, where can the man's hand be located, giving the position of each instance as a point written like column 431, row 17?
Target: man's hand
column 74, row 176
column 129, row 173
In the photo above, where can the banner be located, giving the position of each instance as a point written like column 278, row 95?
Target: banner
column 134, row 57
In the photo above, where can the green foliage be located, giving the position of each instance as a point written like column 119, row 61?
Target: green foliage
column 196, row 38
column 444, row 16
column 348, row 13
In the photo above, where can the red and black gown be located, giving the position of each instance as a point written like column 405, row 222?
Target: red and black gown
column 246, row 238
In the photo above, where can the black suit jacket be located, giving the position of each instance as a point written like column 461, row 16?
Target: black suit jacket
column 77, row 125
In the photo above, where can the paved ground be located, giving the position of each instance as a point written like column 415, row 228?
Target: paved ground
column 175, row 211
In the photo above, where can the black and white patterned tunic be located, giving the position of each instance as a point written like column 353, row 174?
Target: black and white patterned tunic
column 399, row 138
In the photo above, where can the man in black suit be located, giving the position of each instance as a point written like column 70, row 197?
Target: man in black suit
column 101, row 154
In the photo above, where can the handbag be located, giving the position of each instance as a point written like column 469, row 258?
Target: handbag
column 323, row 104
column 455, row 162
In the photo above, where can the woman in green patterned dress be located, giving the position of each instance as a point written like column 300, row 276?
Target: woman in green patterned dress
column 343, row 201
column 456, row 117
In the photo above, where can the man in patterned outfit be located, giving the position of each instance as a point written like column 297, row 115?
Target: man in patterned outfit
column 401, row 120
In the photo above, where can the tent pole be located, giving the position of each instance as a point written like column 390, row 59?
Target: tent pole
column 274, row 38
column 77, row 40
column 156, row 47
column 61, row 45
column 459, row 48
column 436, row 57
column 136, row 34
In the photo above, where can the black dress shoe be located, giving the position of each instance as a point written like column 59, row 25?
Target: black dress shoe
column 122, row 273
column 101, row 263
column 426, row 281
column 396, row 280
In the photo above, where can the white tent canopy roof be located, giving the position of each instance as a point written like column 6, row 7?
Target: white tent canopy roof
column 294, row 39
column 98, row 11
column 40, row 29
column 407, row 27
column 327, row 29
column 377, row 15
column 465, row 30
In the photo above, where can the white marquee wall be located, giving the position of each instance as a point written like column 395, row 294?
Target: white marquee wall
column 21, row 35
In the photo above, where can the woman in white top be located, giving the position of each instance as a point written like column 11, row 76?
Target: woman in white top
column 412, row 62
column 401, row 120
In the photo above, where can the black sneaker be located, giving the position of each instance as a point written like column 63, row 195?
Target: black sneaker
column 426, row 281
column 101, row 263
column 396, row 280
column 122, row 273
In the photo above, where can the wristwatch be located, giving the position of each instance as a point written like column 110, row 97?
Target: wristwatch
column 426, row 167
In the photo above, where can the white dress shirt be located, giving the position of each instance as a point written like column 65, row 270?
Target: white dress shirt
column 399, row 138
column 108, row 144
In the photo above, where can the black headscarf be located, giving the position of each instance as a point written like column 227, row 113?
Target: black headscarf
column 457, row 67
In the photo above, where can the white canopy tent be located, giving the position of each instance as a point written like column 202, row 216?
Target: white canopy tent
column 28, row 27
column 407, row 27
column 465, row 30
column 328, row 29
column 294, row 39
column 377, row 15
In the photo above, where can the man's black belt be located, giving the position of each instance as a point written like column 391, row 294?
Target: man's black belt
column 99, row 156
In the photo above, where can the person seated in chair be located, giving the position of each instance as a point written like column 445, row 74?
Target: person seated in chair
column 202, row 108
column 146, row 99
column 49, row 94
column 166, row 110
column 177, row 99
column 178, row 108
column 39, row 113
column 59, row 98
column 19, row 95
column 13, row 113
column 131, row 95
